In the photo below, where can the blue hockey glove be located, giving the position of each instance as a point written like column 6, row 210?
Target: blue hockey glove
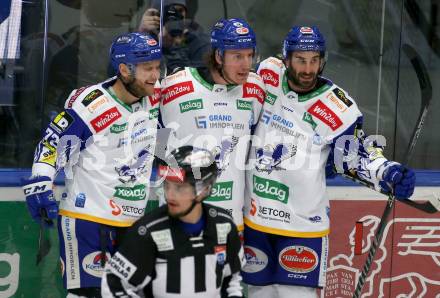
column 40, row 199
column 402, row 181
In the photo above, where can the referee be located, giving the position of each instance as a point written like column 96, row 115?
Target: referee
column 183, row 249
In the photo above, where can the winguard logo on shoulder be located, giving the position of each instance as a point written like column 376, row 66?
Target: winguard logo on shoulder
column 269, row 189
column 177, row 90
column 253, row 90
column 186, row 106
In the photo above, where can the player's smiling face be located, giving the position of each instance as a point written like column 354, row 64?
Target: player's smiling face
column 304, row 67
column 146, row 75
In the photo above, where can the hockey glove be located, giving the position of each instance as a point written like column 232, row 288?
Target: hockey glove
column 399, row 180
column 40, row 199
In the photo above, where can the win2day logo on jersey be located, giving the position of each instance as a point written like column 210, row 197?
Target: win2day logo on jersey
column 270, row 77
column 177, row 90
column 254, row 91
column 105, row 119
column 323, row 113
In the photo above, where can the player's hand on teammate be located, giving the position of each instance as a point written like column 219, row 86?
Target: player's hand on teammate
column 40, row 199
column 399, row 180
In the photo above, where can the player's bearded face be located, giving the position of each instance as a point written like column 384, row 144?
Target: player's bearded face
column 304, row 68
column 145, row 76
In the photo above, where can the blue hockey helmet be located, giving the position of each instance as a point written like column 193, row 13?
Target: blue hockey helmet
column 302, row 38
column 134, row 48
column 232, row 34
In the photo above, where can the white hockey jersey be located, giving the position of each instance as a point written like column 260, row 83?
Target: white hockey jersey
column 218, row 118
column 286, row 182
column 106, row 148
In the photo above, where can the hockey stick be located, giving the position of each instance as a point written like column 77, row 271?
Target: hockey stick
column 426, row 93
column 44, row 244
column 427, row 27
column 432, row 205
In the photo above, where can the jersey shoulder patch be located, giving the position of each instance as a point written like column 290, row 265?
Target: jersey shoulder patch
column 335, row 108
column 96, row 108
column 271, row 71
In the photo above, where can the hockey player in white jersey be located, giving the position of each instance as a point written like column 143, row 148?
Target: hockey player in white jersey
column 104, row 139
column 216, row 107
column 307, row 122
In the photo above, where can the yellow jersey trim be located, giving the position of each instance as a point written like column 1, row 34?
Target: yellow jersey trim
column 96, row 219
column 285, row 232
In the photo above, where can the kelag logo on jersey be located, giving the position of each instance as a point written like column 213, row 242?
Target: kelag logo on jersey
column 254, row 91
column 244, row 105
column 270, row 77
column 105, row 119
column 298, row 259
column 153, row 114
column 221, row 191
column 190, row 105
column 118, row 128
column 135, row 193
column 91, row 97
column 270, row 98
column 323, row 113
column 309, row 119
column 171, row 93
column 269, row 189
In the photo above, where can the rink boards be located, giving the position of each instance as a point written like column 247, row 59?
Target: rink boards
column 407, row 261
